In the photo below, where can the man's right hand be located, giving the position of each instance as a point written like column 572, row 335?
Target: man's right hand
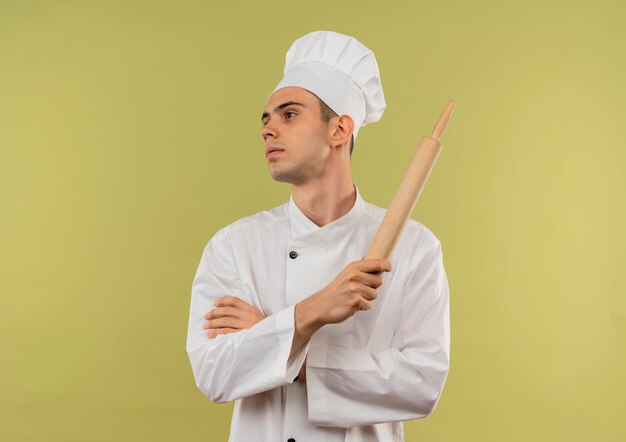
column 352, row 290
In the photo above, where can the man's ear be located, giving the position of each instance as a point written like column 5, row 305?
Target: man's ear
column 341, row 130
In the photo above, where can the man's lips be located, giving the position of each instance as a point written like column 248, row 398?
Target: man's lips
column 271, row 151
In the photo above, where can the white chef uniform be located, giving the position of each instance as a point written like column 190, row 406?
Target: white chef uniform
column 365, row 375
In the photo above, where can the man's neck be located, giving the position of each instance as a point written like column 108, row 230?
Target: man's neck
column 327, row 201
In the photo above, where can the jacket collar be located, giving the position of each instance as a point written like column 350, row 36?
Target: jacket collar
column 306, row 233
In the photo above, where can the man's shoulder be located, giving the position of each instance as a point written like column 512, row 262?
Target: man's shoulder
column 259, row 221
column 414, row 231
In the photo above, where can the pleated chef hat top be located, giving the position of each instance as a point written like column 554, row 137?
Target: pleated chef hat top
column 341, row 71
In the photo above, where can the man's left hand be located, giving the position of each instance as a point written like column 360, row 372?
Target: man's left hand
column 231, row 315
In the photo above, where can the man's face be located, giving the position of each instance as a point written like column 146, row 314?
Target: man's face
column 292, row 125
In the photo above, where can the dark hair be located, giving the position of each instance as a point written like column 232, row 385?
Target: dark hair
column 328, row 114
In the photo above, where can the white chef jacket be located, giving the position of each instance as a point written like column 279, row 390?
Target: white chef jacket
column 365, row 375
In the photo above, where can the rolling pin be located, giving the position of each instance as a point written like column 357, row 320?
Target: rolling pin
column 410, row 188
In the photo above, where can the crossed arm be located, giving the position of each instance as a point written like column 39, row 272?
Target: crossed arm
column 352, row 290
column 231, row 315
column 409, row 375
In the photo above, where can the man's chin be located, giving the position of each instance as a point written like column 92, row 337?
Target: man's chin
column 281, row 176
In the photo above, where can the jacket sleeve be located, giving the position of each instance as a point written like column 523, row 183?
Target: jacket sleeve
column 236, row 365
column 352, row 387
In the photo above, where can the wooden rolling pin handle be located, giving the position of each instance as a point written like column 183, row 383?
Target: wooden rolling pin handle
column 405, row 198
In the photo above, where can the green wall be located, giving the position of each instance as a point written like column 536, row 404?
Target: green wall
column 129, row 133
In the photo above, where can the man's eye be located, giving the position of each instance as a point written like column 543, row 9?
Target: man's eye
column 288, row 113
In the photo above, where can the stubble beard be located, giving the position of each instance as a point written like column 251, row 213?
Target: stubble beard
column 294, row 172
column 299, row 170
column 287, row 173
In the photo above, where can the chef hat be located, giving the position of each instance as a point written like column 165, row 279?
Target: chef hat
column 340, row 71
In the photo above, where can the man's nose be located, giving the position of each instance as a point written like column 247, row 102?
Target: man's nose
column 268, row 131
